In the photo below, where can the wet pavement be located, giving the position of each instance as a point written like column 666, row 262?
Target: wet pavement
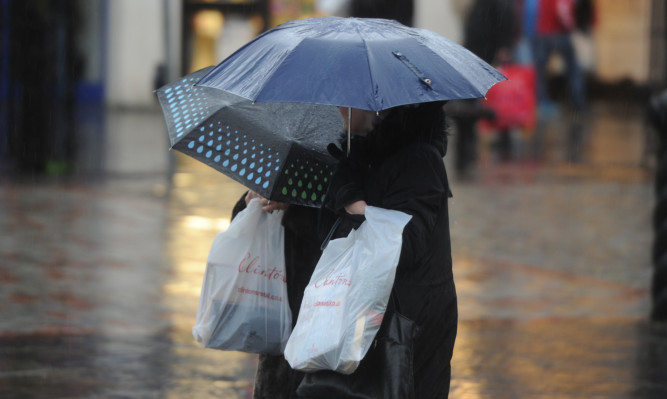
column 100, row 275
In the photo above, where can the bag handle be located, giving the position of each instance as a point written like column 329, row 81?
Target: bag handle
column 331, row 233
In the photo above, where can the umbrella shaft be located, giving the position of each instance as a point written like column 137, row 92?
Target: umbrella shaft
column 349, row 129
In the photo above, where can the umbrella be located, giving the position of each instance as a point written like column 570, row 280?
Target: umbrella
column 275, row 149
column 371, row 64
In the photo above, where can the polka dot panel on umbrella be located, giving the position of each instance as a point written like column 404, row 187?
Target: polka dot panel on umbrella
column 187, row 105
column 223, row 147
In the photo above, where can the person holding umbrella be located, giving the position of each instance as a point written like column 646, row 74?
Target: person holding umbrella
column 390, row 83
column 396, row 162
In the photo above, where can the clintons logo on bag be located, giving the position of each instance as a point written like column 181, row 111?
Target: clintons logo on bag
column 333, row 280
column 327, row 303
column 252, row 265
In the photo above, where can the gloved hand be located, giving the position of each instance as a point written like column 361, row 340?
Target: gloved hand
column 347, row 183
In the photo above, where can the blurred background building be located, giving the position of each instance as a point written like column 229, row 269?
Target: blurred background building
column 64, row 61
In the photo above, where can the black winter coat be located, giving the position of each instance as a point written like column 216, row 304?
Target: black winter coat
column 413, row 180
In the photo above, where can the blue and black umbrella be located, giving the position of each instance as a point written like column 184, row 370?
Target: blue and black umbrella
column 275, row 149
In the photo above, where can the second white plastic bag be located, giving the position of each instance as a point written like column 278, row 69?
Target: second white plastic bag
column 347, row 295
column 243, row 304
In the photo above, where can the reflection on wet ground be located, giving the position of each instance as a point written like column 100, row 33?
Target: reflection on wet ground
column 126, row 365
column 101, row 276
column 559, row 358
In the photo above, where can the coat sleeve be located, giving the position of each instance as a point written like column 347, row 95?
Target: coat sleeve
column 417, row 185
column 239, row 206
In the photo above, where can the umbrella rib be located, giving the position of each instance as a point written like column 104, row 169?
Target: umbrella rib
column 266, row 81
column 370, row 70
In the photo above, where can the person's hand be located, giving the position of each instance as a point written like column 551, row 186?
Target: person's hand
column 356, row 208
column 267, row 205
column 250, row 195
column 347, row 183
column 270, row 206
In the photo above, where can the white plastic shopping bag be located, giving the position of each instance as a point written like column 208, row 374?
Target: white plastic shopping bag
column 347, row 295
column 243, row 304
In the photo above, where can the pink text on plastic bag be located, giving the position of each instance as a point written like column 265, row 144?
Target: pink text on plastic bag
column 334, row 281
column 251, row 265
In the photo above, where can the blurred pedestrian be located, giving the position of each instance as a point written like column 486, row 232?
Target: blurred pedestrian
column 399, row 10
column 491, row 30
column 528, row 20
column 554, row 25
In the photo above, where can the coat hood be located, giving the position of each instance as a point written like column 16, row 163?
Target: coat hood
column 401, row 126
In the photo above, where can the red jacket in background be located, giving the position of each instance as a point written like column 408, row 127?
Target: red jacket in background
column 555, row 17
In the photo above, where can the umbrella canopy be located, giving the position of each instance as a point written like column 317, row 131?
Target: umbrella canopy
column 371, row 64
column 275, row 149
